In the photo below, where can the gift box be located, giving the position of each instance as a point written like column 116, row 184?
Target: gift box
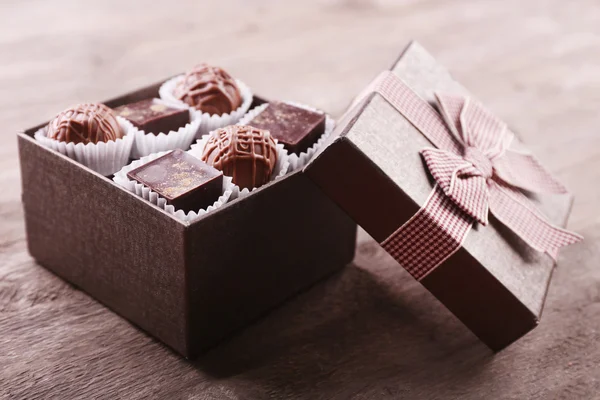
column 450, row 192
column 189, row 284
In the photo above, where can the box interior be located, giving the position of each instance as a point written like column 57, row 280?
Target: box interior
column 137, row 95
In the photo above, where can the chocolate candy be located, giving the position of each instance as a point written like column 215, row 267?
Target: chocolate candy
column 183, row 180
column 209, row 89
column 154, row 117
column 85, row 123
column 296, row 128
column 245, row 153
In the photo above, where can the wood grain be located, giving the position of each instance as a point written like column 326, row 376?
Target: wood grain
column 370, row 331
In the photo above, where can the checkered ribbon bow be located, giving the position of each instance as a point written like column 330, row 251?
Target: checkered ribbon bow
column 475, row 172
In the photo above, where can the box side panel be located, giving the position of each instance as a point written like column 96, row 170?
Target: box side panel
column 122, row 251
column 260, row 251
column 361, row 189
column 474, row 295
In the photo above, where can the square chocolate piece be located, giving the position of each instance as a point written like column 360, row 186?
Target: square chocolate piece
column 183, row 180
column 296, row 128
column 154, row 117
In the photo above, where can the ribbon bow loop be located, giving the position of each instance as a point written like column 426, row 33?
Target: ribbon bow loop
column 464, row 177
column 474, row 126
column 477, row 171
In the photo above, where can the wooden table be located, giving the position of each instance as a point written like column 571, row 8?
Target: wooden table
column 370, row 331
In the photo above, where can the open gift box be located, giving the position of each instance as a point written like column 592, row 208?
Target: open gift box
column 190, row 284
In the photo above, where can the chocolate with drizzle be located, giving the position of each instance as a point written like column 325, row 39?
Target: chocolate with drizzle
column 85, row 123
column 209, row 89
column 245, row 153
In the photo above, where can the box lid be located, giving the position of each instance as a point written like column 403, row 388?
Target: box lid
column 495, row 284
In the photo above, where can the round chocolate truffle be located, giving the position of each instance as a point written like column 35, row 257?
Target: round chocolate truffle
column 209, row 89
column 85, row 123
column 245, row 153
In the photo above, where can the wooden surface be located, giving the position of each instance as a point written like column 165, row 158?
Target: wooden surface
column 370, row 331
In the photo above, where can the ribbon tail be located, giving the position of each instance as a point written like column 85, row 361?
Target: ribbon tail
column 525, row 172
column 430, row 237
column 518, row 213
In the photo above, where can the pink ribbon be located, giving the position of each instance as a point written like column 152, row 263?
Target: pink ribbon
column 475, row 173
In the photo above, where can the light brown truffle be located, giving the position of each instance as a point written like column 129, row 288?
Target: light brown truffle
column 85, row 123
column 209, row 89
column 245, row 153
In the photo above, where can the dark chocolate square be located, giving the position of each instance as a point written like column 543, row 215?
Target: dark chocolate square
column 296, row 128
column 154, row 117
column 183, row 180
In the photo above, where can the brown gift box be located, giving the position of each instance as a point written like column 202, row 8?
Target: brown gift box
column 188, row 284
column 495, row 284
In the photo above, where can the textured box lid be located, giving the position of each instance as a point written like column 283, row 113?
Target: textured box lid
column 495, row 284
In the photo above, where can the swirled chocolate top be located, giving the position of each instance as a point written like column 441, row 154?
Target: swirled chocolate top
column 209, row 89
column 245, row 153
column 85, row 123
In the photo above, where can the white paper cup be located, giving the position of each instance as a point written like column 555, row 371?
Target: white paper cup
column 106, row 158
column 208, row 122
column 281, row 166
column 147, row 143
column 297, row 161
column 144, row 192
